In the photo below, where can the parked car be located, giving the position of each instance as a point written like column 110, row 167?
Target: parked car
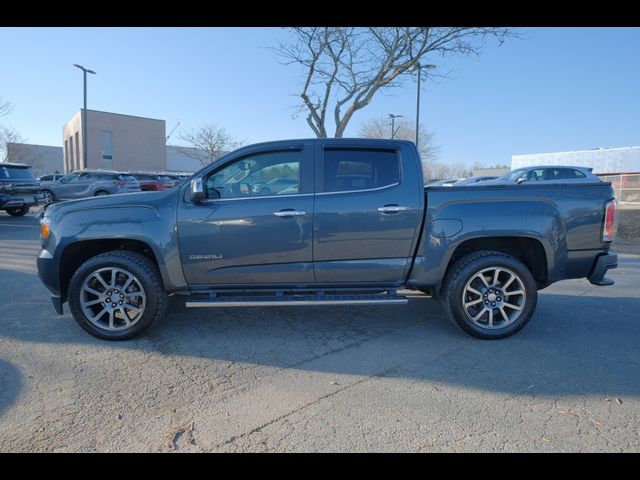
column 275, row 186
column 548, row 173
column 442, row 183
column 472, row 181
column 50, row 177
column 152, row 182
column 483, row 252
column 19, row 189
column 88, row 183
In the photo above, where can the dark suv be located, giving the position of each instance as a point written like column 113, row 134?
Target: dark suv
column 19, row 189
column 89, row 183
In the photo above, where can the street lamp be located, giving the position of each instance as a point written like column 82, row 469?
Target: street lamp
column 419, row 67
column 84, row 114
column 393, row 124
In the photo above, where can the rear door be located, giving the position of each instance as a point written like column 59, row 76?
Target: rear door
column 367, row 213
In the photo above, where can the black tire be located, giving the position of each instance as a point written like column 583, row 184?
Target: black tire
column 101, row 193
column 49, row 197
column 265, row 191
column 18, row 211
column 145, row 272
column 455, row 293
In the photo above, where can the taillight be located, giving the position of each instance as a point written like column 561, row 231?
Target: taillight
column 610, row 222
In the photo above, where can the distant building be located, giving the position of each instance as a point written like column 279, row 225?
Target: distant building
column 182, row 159
column 115, row 142
column 602, row 160
column 42, row 158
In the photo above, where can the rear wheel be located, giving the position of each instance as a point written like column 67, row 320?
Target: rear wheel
column 18, row 211
column 101, row 193
column 117, row 295
column 489, row 295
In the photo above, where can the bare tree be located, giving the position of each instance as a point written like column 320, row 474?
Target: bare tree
column 443, row 171
column 344, row 67
column 8, row 134
column 405, row 130
column 208, row 142
column 5, row 107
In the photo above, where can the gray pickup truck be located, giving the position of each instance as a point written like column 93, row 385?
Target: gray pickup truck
column 345, row 222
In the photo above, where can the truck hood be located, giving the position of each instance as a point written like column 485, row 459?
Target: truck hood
column 149, row 199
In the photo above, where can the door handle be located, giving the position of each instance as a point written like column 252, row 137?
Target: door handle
column 393, row 209
column 290, row 213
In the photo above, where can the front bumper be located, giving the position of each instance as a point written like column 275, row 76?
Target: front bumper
column 604, row 262
column 48, row 273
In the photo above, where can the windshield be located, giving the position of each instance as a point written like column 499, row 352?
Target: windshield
column 16, row 173
column 513, row 175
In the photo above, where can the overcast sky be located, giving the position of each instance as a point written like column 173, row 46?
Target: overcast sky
column 558, row 89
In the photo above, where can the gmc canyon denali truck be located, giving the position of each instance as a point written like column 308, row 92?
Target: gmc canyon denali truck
column 349, row 223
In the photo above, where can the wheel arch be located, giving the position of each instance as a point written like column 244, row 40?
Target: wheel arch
column 530, row 251
column 75, row 254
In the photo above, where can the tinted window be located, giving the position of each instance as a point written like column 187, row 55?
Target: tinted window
column 564, row 174
column 272, row 173
column 89, row 177
column 350, row 169
column 72, row 177
column 16, row 173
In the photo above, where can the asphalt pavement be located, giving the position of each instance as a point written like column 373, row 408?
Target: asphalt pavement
column 347, row 379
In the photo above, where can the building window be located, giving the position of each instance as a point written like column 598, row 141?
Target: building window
column 106, row 142
column 78, row 164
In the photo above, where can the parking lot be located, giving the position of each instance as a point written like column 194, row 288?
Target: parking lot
column 318, row 379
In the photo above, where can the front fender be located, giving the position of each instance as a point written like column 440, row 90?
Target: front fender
column 142, row 223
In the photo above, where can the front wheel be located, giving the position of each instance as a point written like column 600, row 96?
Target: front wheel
column 116, row 295
column 489, row 295
column 101, row 193
column 18, row 211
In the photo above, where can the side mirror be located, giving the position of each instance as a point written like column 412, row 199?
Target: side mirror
column 521, row 180
column 197, row 190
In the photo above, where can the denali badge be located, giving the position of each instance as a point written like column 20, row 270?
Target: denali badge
column 205, row 257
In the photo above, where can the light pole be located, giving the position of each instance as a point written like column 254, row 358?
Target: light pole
column 419, row 67
column 84, row 114
column 393, row 124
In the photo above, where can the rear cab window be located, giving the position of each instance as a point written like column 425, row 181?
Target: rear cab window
column 12, row 172
column 348, row 169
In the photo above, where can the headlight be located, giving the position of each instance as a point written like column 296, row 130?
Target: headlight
column 44, row 228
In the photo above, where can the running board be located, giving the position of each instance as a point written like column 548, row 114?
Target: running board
column 298, row 300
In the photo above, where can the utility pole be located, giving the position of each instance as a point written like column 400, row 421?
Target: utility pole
column 393, row 124
column 84, row 114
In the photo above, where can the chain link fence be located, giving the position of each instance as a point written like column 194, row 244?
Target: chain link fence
column 626, row 187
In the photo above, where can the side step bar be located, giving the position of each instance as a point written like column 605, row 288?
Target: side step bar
column 297, row 300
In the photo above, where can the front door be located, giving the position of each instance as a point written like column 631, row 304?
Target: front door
column 255, row 228
column 367, row 213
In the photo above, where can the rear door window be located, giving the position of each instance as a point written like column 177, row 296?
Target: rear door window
column 358, row 169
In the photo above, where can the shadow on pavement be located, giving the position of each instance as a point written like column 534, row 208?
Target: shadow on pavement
column 10, row 385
